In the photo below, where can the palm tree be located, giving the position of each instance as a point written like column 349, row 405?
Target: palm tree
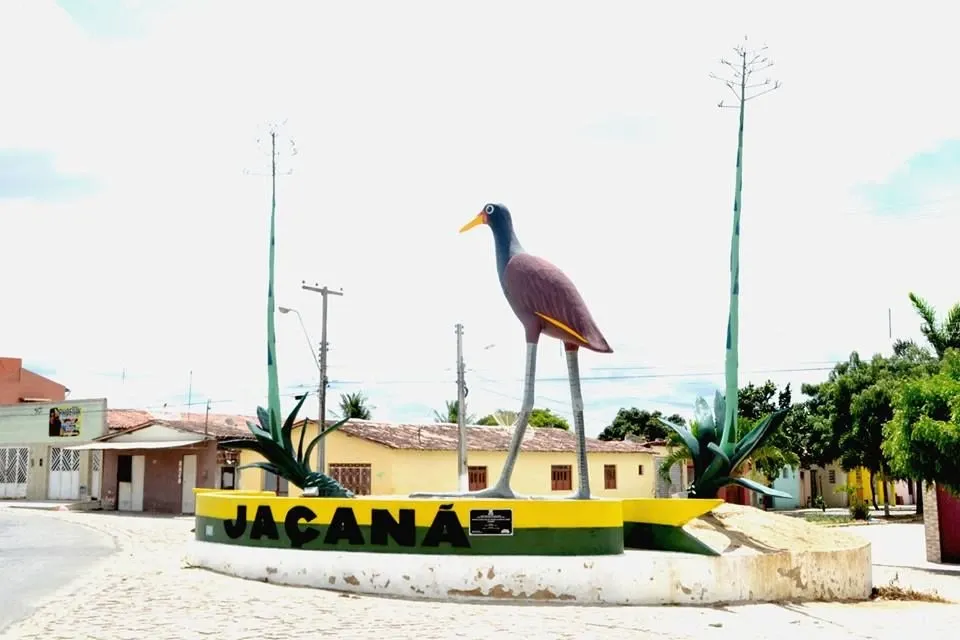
column 451, row 413
column 941, row 335
column 354, row 406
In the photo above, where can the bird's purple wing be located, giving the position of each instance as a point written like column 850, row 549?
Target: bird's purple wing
column 539, row 291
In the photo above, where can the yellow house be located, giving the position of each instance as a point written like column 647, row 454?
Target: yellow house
column 832, row 481
column 378, row 458
column 859, row 478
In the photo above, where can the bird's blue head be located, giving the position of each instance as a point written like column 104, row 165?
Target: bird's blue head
column 495, row 216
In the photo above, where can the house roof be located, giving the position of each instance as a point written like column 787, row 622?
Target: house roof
column 217, row 425
column 443, row 437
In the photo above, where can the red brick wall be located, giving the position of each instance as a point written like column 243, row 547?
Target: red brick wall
column 161, row 491
column 16, row 382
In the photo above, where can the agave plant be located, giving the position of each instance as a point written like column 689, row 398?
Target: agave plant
column 715, row 457
column 275, row 443
column 271, row 440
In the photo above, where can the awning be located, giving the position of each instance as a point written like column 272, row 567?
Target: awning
column 169, row 444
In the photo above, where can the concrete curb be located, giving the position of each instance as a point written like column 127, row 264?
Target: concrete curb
column 634, row 578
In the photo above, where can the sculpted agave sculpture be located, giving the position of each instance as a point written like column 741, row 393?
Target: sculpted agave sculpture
column 271, row 440
column 715, row 455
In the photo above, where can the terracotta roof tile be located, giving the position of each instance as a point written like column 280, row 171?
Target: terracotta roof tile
column 443, row 437
column 217, row 425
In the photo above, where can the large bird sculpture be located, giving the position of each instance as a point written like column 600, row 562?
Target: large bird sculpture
column 547, row 303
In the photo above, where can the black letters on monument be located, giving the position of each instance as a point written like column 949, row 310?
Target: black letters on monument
column 382, row 524
column 291, row 524
column 343, row 525
column 446, row 527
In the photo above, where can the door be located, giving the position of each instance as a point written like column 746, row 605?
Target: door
column 13, row 472
column 138, row 468
column 188, row 481
column 64, row 483
column 96, row 481
column 948, row 515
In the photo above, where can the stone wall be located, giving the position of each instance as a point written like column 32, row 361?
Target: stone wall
column 931, row 522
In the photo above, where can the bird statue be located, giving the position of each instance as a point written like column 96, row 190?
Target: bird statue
column 547, row 303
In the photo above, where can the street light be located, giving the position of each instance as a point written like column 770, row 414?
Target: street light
column 306, row 334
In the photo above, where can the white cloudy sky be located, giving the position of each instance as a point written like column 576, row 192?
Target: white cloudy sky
column 595, row 123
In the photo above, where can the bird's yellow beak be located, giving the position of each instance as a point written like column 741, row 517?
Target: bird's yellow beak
column 481, row 218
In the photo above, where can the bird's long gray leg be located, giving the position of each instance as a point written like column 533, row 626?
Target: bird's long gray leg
column 583, row 472
column 502, row 488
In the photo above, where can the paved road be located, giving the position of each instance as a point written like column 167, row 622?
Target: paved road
column 40, row 555
column 145, row 592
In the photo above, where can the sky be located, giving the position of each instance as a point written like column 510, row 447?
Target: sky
column 134, row 194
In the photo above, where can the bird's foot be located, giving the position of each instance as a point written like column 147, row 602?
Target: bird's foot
column 496, row 492
column 578, row 495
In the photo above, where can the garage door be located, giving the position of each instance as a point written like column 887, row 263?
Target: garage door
column 948, row 513
column 13, row 472
column 64, row 474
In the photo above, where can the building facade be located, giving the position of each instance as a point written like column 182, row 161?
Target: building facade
column 375, row 458
column 18, row 385
column 37, row 458
column 153, row 464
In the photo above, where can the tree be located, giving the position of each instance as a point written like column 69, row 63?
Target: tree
column 941, row 336
column 546, row 419
column 923, row 438
column 451, row 412
column 354, row 405
column 539, row 418
column 640, row 423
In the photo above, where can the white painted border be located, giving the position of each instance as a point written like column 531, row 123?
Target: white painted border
column 634, row 578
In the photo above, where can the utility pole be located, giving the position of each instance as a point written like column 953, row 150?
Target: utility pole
column 322, row 391
column 461, row 414
column 206, row 420
column 746, row 64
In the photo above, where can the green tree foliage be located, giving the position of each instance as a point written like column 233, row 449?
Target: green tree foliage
column 451, row 413
column 640, row 423
column 539, row 418
column 546, row 419
column 354, row 406
column 923, row 438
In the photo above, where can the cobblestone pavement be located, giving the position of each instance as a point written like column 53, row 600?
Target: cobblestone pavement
column 142, row 591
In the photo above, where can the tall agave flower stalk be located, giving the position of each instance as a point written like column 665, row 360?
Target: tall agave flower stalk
column 271, row 440
column 715, row 455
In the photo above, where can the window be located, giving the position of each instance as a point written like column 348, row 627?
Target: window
column 355, row 476
column 227, row 478
column 275, row 483
column 609, row 476
column 639, row 469
column 561, row 477
column 477, row 478
column 785, row 473
column 832, row 476
column 802, row 475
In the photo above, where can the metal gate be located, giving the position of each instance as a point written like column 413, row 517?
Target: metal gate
column 64, row 474
column 96, row 463
column 355, row 477
column 948, row 515
column 13, row 472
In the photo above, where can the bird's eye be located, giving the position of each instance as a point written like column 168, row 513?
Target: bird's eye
column 488, row 209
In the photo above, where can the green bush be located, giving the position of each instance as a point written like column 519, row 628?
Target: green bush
column 820, row 503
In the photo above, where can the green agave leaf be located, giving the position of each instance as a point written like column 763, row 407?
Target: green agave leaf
column 305, row 460
column 243, row 443
column 287, row 428
column 713, row 446
column 701, row 412
column 760, row 488
column 719, row 409
column 264, row 419
column 685, row 434
column 763, row 430
column 266, row 466
column 257, row 431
